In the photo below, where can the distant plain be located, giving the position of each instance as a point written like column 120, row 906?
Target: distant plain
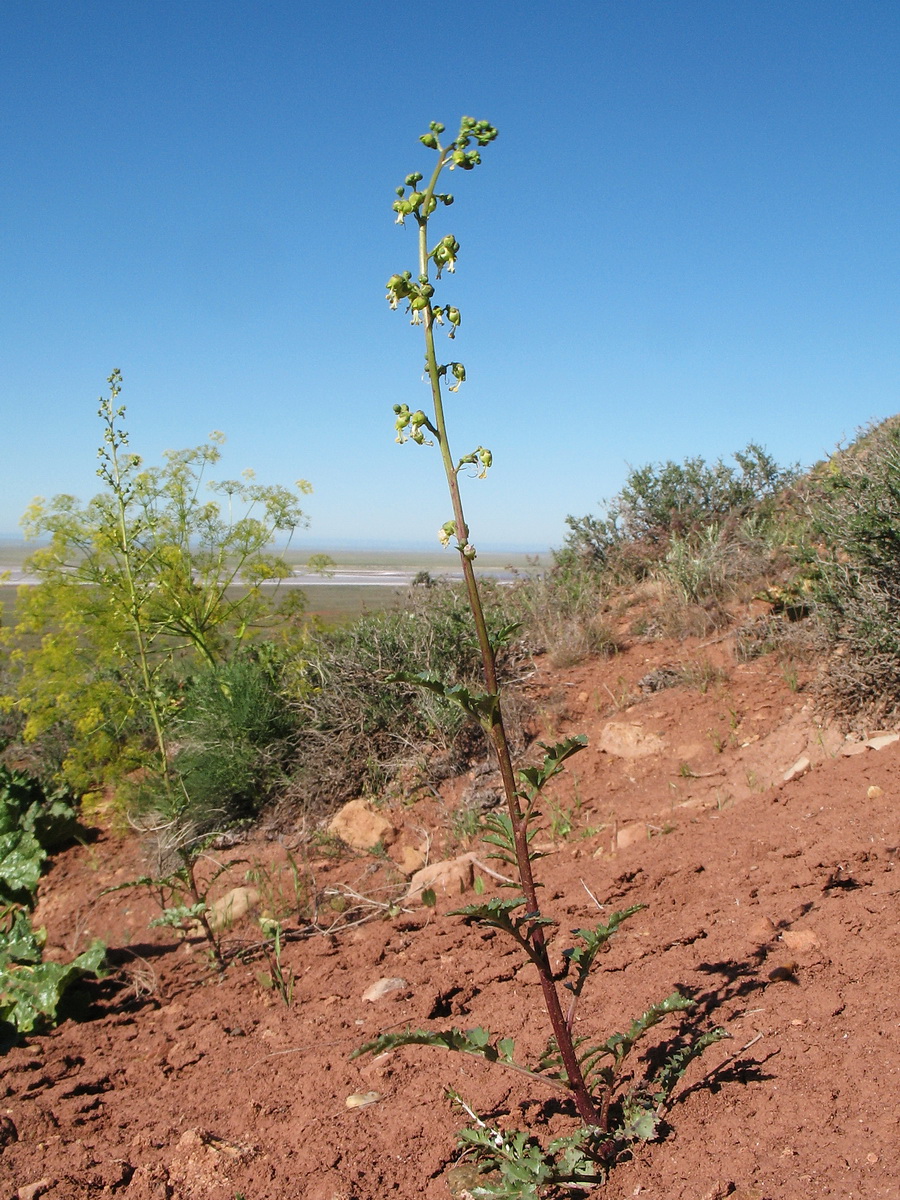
column 363, row 580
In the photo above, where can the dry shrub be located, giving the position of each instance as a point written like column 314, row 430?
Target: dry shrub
column 777, row 633
column 356, row 729
column 681, row 620
column 701, row 674
column 561, row 614
column 855, row 509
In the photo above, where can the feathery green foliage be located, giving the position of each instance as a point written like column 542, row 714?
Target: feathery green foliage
column 135, row 586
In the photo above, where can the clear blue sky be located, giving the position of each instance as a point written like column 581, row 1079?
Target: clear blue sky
column 685, row 238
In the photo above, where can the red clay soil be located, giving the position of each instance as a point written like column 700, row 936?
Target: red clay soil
column 773, row 904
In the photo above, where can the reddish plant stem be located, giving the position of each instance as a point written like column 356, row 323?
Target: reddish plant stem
column 587, row 1110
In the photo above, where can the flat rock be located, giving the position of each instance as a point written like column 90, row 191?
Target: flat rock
column 359, row 826
column 628, row 739
column 30, row 1191
column 383, row 987
column 362, row 1099
column 629, row 835
column 878, row 741
column 763, row 930
column 407, row 859
column 800, row 940
column 232, row 907
column 450, row 878
column 800, row 767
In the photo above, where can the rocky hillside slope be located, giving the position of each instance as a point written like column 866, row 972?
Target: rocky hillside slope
column 762, row 842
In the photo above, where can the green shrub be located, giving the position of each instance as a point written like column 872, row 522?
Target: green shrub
column 229, row 739
column 232, row 736
column 562, row 613
column 149, row 578
column 661, row 502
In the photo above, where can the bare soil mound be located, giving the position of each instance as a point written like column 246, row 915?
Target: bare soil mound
column 773, row 902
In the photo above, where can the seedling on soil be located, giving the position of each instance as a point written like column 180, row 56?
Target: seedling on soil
column 278, row 977
column 183, row 896
column 593, row 1075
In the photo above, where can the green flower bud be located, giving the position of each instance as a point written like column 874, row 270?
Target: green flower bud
column 399, row 191
column 429, row 140
column 453, row 316
column 416, row 199
column 436, row 127
column 397, row 288
column 418, row 418
column 469, row 551
column 413, row 179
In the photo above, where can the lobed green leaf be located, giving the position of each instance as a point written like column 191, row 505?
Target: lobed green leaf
column 481, row 706
column 536, row 778
column 680, row 1059
column 479, row 1042
column 582, row 957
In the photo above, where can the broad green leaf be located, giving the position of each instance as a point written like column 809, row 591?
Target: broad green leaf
column 497, row 913
column 507, row 1048
column 499, row 832
column 30, row 995
column 19, row 943
column 479, row 1042
column 505, row 635
column 642, row 1126
column 21, row 860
